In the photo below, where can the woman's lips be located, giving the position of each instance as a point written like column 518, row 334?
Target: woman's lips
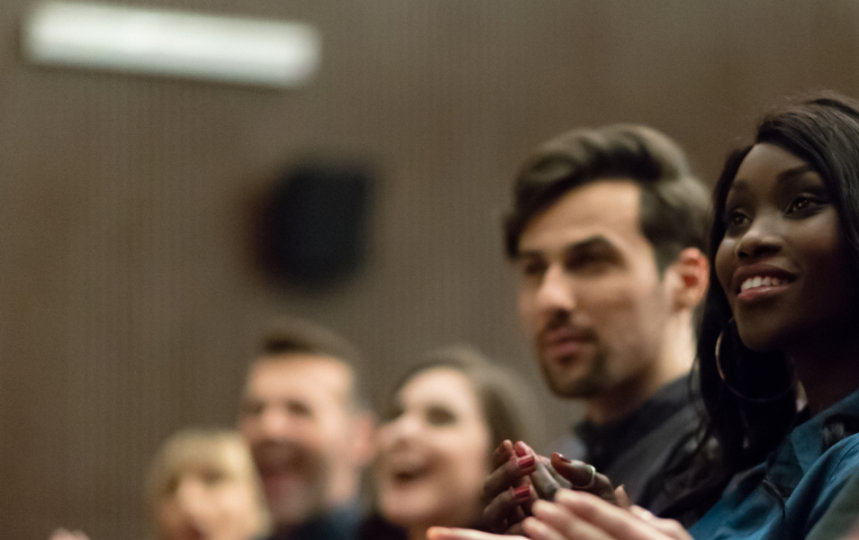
column 750, row 280
column 406, row 469
column 756, row 289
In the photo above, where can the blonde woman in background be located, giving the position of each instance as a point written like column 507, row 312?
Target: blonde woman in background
column 201, row 485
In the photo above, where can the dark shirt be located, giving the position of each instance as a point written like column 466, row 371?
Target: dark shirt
column 341, row 523
column 376, row 528
column 638, row 449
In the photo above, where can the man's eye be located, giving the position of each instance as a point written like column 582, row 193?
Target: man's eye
column 591, row 261
column 532, row 268
column 297, row 408
column 584, row 259
column 251, row 409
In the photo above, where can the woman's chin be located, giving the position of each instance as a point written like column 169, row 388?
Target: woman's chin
column 761, row 338
column 409, row 511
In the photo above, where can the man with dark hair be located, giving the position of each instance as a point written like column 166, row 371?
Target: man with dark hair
column 606, row 234
column 304, row 420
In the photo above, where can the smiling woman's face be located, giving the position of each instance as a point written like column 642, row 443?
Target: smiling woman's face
column 433, row 452
column 783, row 262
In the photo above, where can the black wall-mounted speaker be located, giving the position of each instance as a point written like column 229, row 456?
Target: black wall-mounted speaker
column 314, row 222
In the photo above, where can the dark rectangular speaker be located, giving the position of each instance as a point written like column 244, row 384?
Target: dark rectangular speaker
column 314, row 222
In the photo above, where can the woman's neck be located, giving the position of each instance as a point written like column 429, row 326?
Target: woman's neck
column 827, row 368
column 417, row 532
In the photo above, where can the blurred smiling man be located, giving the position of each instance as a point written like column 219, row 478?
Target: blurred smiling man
column 309, row 436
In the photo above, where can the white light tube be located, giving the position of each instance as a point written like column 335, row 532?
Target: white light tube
column 162, row 42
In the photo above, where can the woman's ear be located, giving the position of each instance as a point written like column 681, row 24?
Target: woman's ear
column 693, row 276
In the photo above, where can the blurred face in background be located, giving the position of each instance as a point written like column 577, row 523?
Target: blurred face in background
column 433, row 452
column 297, row 416
column 209, row 492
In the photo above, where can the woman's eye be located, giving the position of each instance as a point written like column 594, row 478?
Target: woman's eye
column 171, row 486
column 798, row 204
column 734, row 220
column 802, row 203
column 438, row 416
column 392, row 414
column 211, row 477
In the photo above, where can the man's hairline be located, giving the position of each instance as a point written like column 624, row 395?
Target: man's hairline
column 635, row 181
column 312, row 357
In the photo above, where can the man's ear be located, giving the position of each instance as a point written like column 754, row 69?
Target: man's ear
column 363, row 438
column 692, row 276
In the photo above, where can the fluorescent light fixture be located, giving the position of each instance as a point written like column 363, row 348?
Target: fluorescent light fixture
column 164, row 42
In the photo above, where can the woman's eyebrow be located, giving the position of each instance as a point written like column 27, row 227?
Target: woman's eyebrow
column 793, row 174
column 788, row 175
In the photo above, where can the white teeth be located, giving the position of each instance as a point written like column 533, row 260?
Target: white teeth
column 758, row 281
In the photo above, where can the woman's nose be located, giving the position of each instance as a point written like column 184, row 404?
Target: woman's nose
column 404, row 427
column 759, row 240
column 190, row 493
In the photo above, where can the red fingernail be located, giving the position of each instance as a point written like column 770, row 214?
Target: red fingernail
column 525, row 462
column 520, row 448
column 559, row 456
column 522, row 493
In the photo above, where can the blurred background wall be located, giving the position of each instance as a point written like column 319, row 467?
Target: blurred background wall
column 130, row 288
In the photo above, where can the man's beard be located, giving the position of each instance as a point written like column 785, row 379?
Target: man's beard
column 587, row 385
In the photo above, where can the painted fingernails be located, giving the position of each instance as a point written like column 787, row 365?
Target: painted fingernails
column 522, row 493
column 561, row 457
column 521, row 448
column 525, row 462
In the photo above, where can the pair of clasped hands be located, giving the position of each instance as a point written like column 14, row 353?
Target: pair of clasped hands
column 531, row 496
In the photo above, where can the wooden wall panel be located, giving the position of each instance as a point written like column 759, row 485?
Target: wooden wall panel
column 130, row 293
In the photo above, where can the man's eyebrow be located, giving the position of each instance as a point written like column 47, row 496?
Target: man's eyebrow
column 595, row 241
column 591, row 242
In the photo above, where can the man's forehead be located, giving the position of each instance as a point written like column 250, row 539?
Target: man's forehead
column 602, row 209
column 603, row 197
column 301, row 373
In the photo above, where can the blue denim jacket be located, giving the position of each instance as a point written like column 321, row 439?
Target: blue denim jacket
column 785, row 496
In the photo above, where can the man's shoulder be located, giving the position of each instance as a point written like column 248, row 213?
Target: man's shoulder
column 342, row 523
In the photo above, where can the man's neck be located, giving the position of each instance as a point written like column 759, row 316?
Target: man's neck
column 674, row 361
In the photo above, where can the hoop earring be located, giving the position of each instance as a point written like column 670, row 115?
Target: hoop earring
column 733, row 389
